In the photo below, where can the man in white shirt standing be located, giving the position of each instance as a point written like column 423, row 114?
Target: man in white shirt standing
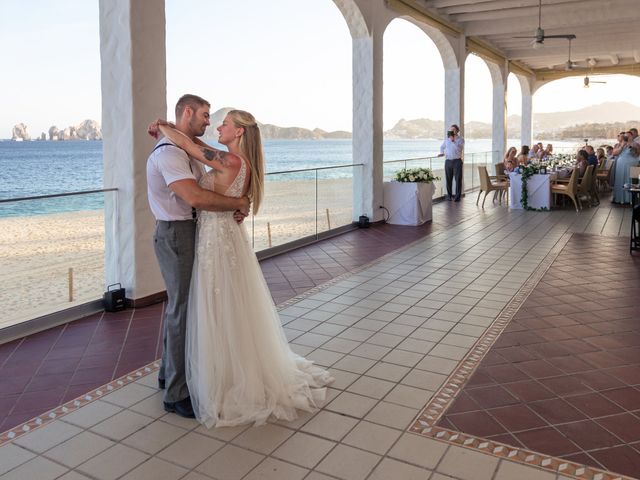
column 452, row 148
column 174, row 194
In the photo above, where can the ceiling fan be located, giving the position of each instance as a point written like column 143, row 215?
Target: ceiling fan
column 569, row 65
column 539, row 37
column 587, row 81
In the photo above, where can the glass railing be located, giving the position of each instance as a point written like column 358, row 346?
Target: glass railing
column 51, row 253
column 301, row 204
column 470, row 179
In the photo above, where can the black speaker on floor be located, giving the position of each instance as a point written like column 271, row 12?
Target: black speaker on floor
column 363, row 221
column 114, row 298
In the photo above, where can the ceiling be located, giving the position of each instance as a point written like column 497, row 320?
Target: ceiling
column 607, row 31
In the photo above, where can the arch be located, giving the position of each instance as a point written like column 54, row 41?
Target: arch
column 405, row 95
column 444, row 44
column 354, row 18
column 496, row 71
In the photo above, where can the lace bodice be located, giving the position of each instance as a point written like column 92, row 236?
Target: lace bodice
column 207, row 181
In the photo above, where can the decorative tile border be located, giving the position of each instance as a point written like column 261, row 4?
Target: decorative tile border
column 425, row 423
column 81, row 401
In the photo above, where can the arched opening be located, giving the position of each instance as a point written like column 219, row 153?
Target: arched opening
column 413, row 99
column 596, row 113
column 514, row 112
column 291, row 68
column 478, row 117
column 478, row 105
column 53, row 248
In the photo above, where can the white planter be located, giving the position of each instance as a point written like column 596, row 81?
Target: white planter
column 409, row 203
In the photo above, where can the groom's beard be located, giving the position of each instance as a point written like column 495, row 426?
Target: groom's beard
column 197, row 128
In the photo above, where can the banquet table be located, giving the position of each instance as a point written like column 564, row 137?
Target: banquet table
column 538, row 191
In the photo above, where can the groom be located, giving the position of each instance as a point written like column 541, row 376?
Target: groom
column 174, row 195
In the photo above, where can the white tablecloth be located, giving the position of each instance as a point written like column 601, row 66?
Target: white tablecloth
column 409, row 203
column 538, row 191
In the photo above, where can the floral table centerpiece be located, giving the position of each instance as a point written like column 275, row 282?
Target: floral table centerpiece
column 419, row 174
column 408, row 199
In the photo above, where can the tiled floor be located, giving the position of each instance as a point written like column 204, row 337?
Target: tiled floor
column 564, row 377
column 47, row 369
column 392, row 334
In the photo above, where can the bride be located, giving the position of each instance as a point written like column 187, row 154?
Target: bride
column 239, row 366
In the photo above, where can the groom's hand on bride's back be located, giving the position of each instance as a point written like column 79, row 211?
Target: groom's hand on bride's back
column 243, row 211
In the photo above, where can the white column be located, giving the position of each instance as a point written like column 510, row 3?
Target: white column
column 454, row 88
column 367, row 126
column 499, row 123
column 132, row 49
column 526, row 131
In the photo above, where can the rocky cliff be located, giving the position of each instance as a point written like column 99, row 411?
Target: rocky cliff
column 19, row 132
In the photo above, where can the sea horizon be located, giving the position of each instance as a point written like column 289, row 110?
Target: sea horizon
column 37, row 167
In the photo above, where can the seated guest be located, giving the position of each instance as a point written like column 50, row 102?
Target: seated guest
column 602, row 158
column 582, row 162
column 592, row 158
column 510, row 160
column 523, row 156
column 545, row 153
column 533, row 153
column 627, row 158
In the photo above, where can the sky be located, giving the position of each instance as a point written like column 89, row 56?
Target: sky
column 288, row 65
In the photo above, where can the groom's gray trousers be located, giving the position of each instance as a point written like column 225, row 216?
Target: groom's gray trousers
column 174, row 244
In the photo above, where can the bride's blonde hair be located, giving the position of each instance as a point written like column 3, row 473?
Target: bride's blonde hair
column 251, row 149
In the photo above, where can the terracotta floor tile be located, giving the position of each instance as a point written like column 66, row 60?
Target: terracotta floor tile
column 547, row 440
column 598, row 380
column 565, row 385
column 556, row 411
column 476, row 423
column 516, row 418
column 628, row 398
column 529, row 391
column 505, row 373
column 602, row 359
column 629, row 374
column 625, row 426
column 492, row 396
column 622, row 459
column 588, row 435
column 463, row 403
column 538, row 369
column 594, row 405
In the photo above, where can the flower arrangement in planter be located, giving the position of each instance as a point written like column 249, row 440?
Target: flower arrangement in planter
column 419, row 174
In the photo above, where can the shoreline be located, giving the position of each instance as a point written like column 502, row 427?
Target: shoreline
column 36, row 251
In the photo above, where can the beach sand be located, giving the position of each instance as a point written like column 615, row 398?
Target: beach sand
column 36, row 252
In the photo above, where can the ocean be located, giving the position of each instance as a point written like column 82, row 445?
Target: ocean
column 41, row 168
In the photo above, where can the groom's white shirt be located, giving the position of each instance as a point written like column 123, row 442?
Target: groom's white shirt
column 166, row 165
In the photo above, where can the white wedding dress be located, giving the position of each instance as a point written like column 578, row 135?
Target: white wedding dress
column 239, row 366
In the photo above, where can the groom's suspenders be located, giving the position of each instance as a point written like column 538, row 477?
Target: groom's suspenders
column 194, row 213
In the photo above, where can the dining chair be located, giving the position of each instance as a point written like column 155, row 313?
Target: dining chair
column 603, row 178
column 634, row 173
column 585, row 186
column 569, row 189
column 490, row 184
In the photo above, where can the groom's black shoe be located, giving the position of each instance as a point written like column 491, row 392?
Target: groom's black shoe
column 161, row 383
column 181, row 407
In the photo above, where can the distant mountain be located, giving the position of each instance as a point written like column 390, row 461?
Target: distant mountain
column 274, row 132
column 608, row 112
column 582, row 123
